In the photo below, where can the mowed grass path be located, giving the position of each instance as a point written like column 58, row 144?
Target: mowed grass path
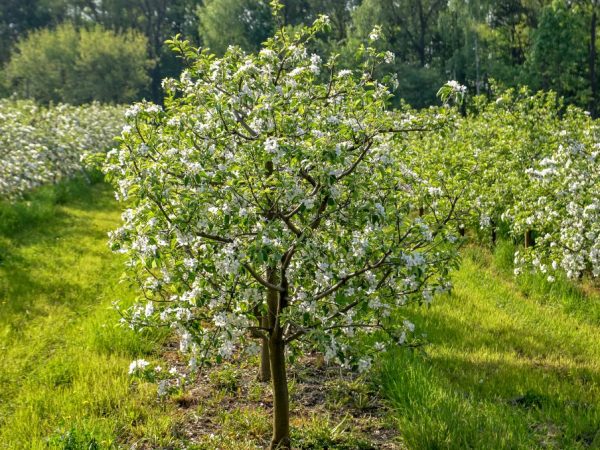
column 63, row 358
column 513, row 364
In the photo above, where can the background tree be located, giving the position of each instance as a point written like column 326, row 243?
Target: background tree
column 559, row 53
column 77, row 66
column 409, row 29
column 510, row 41
column 17, row 17
column 245, row 23
column 157, row 20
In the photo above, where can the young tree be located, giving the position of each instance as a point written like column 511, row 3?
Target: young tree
column 262, row 190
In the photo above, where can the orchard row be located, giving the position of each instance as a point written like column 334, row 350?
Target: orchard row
column 41, row 145
column 522, row 165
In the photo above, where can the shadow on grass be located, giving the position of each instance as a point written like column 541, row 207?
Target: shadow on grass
column 435, row 411
column 47, row 243
column 503, row 370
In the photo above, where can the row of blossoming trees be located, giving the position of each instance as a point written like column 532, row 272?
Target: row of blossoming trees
column 276, row 205
column 41, row 145
column 522, row 165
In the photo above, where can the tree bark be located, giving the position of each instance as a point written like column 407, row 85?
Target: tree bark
column 281, row 405
column 265, row 362
column 529, row 241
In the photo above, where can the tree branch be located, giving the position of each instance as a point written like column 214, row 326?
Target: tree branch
column 261, row 280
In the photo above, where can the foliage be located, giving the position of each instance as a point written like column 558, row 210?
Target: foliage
column 244, row 23
column 40, row 145
column 544, row 44
column 521, row 165
column 557, row 60
column 18, row 17
column 79, row 65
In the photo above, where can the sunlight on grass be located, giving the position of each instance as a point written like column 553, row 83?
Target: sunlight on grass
column 64, row 359
column 511, row 365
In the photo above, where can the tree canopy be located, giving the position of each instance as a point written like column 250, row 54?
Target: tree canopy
column 77, row 66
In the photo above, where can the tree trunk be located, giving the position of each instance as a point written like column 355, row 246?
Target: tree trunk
column 265, row 363
column 494, row 233
column 477, row 83
column 281, row 406
column 422, row 30
column 529, row 241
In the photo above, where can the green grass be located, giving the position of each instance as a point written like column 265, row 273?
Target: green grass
column 63, row 358
column 512, row 364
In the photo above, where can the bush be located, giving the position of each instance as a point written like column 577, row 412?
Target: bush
column 77, row 66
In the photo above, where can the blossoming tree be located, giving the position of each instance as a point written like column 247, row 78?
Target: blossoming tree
column 266, row 202
column 563, row 204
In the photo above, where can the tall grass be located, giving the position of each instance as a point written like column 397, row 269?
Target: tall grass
column 63, row 357
column 513, row 364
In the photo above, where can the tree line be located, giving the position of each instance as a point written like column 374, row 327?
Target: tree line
column 113, row 50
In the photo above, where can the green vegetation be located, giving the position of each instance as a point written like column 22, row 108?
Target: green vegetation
column 79, row 66
column 545, row 44
column 276, row 201
column 510, row 365
column 63, row 356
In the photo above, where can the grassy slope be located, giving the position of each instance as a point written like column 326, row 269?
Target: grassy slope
column 513, row 366
column 63, row 362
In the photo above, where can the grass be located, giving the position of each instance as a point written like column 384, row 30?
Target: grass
column 513, row 364
column 63, row 359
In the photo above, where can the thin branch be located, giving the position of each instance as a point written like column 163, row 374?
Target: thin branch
column 345, row 279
